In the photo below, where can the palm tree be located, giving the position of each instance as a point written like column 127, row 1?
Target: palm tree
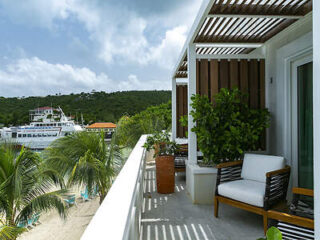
column 84, row 158
column 26, row 188
column 9, row 232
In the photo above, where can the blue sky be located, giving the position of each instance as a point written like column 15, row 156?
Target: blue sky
column 64, row 46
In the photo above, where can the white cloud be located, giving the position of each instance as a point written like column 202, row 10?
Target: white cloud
column 120, row 33
column 33, row 76
column 167, row 52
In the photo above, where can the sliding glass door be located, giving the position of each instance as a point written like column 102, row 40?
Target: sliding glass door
column 305, row 125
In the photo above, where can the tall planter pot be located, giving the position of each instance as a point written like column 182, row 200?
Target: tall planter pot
column 165, row 174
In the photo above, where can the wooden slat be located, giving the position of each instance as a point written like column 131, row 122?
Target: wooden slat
column 253, row 84
column 288, row 218
column 286, row 169
column 229, row 164
column 262, row 84
column 204, row 78
column 177, row 110
column 214, row 78
column 198, row 77
column 224, row 74
column 303, row 191
column 180, row 110
column 185, row 107
column 244, row 75
column 234, row 73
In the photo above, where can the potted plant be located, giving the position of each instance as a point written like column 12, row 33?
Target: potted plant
column 164, row 150
column 227, row 128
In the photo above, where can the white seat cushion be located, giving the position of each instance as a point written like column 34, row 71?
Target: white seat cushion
column 246, row 191
column 255, row 166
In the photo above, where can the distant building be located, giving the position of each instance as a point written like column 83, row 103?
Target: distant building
column 107, row 127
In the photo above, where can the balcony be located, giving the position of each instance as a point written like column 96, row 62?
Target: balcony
column 173, row 216
column 134, row 210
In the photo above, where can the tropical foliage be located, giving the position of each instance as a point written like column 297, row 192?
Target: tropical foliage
column 273, row 233
column 10, row 232
column 26, row 189
column 227, row 128
column 95, row 106
column 84, row 158
column 149, row 121
column 161, row 143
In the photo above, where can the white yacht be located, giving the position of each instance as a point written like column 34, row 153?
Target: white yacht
column 47, row 124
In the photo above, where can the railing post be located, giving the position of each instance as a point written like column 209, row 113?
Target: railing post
column 316, row 115
column 174, row 109
column 192, row 85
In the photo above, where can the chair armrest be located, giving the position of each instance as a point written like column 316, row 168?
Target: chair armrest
column 302, row 191
column 276, row 186
column 229, row 164
column 292, row 219
column 228, row 171
column 286, row 169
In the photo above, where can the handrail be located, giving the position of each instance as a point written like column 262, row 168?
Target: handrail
column 118, row 216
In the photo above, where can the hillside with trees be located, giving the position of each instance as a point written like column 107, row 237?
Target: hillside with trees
column 95, row 106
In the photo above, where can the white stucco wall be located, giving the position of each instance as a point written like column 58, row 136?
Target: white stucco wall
column 277, row 50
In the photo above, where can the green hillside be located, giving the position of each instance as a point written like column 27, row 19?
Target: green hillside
column 95, row 106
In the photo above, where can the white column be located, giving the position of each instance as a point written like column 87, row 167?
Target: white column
column 316, row 115
column 192, row 84
column 174, row 109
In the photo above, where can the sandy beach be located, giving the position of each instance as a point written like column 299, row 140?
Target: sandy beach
column 52, row 227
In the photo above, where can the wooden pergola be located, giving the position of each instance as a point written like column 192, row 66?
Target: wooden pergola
column 235, row 27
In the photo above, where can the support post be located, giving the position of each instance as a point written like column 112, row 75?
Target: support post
column 192, row 71
column 316, row 115
column 174, row 109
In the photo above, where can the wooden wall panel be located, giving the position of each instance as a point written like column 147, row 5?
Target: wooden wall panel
column 262, row 92
column 204, row 85
column 198, row 77
column 224, row 73
column 182, row 108
column 247, row 75
column 244, row 76
column 253, row 84
column 214, row 78
column 262, row 84
column 185, row 107
column 234, row 73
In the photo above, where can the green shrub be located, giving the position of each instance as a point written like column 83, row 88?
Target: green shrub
column 227, row 128
column 149, row 121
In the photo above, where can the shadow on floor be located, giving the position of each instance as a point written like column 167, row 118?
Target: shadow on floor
column 174, row 217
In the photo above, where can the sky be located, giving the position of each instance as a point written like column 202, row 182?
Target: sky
column 73, row 46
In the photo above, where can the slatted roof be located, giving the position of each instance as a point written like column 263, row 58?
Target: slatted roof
column 236, row 23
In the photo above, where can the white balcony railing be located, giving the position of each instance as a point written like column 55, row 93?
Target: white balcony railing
column 119, row 215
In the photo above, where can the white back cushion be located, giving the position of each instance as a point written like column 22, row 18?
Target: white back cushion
column 255, row 166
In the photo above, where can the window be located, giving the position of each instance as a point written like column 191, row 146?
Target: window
column 19, row 135
column 29, row 135
column 24, row 135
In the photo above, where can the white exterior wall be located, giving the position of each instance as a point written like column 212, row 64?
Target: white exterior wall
column 192, row 138
column 278, row 50
column 174, row 109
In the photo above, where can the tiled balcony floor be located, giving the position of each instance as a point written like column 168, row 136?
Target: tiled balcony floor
column 174, row 217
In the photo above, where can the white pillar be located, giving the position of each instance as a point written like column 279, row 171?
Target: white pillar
column 316, row 115
column 174, row 109
column 192, row 85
